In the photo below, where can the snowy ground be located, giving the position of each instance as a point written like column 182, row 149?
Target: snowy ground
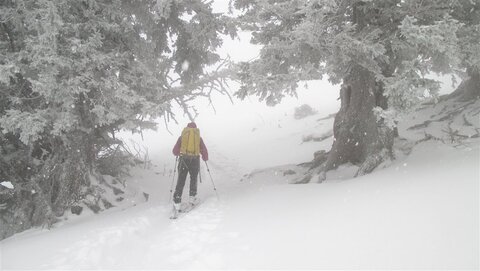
column 420, row 212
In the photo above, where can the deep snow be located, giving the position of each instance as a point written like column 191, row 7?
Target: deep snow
column 422, row 211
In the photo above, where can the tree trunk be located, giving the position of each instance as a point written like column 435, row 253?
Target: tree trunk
column 469, row 89
column 359, row 138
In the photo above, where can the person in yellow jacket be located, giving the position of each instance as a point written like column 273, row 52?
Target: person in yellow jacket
column 189, row 147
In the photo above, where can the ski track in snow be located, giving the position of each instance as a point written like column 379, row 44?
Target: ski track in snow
column 180, row 243
column 146, row 238
column 186, row 238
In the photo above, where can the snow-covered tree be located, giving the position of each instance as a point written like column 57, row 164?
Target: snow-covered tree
column 73, row 72
column 379, row 50
column 468, row 13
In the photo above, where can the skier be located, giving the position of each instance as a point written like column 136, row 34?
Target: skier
column 189, row 147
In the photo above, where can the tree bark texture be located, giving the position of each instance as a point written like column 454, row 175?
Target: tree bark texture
column 469, row 89
column 359, row 138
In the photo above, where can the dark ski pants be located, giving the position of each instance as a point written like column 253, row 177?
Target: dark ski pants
column 186, row 165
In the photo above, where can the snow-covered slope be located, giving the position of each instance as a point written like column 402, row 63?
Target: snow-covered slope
column 420, row 212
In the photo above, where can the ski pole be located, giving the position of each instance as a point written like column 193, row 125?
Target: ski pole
column 173, row 180
column 213, row 183
column 200, row 174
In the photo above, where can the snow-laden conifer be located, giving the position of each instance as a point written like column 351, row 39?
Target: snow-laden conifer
column 380, row 51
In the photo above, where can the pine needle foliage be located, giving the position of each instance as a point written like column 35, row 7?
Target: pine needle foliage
column 75, row 72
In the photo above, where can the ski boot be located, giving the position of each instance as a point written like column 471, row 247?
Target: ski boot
column 175, row 211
